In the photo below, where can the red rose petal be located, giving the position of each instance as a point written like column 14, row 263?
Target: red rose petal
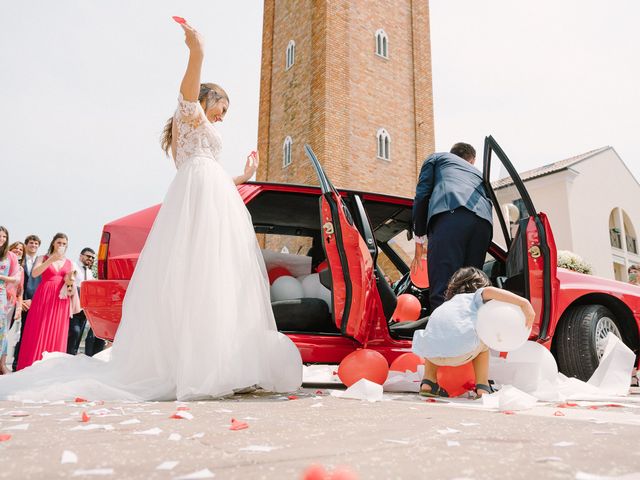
column 237, row 425
column 593, row 407
column 80, row 400
column 509, row 412
column 617, row 405
column 4, row 437
column 85, row 418
column 567, row 405
column 558, row 414
column 179, row 19
column 292, row 397
column 431, row 400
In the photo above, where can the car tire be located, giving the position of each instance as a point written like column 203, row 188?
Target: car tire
column 579, row 339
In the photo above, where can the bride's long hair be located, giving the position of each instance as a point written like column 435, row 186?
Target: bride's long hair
column 211, row 93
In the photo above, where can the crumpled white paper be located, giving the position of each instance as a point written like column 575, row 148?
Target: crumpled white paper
column 613, row 375
column 363, row 389
column 320, row 374
column 407, row 381
column 509, row 398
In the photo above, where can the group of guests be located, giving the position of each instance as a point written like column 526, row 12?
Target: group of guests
column 43, row 294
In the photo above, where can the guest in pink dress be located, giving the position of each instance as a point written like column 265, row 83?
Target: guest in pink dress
column 8, row 276
column 48, row 322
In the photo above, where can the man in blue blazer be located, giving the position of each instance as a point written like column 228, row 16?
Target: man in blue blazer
column 453, row 210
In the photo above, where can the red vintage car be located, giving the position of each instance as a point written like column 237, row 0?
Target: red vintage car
column 367, row 242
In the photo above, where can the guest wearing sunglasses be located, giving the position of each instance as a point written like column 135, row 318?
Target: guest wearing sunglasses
column 77, row 323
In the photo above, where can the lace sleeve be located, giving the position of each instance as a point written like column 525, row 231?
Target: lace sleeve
column 189, row 113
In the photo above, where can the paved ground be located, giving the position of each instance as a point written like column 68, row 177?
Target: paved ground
column 403, row 437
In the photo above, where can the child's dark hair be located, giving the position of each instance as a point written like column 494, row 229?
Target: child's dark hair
column 466, row 280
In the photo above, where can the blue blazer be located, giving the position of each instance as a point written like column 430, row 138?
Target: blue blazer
column 447, row 182
column 30, row 283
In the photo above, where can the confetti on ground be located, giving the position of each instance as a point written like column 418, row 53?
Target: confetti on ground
column 548, row 459
column 206, row 473
column 508, row 412
column 223, row 410
column 182, row 408
column 68, row 457
column 238, row 425
column 558, row 414
column 563, row 444
column 469, row 424
column 196, row 435
column 175, row 437
column 131, row 421
column 317, row 405
column 170, row 465
column 151, row 431
column 401, row 442
column 292, row 397
column 22, row 426
column 95, row 472
column 93, row 426
column 182, row 415
column 4, row 437
column 448, row 431
column 452, row 443
column 258, row 448
column 567, row 405
column 85, row 418
column 80, row 400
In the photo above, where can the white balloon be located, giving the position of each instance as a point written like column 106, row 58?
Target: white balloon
column 286, row 288
column 533, row 352
column 314, row 289
column 501, row 326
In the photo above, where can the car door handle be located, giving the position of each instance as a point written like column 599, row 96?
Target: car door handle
column 328, row 228
column 534, row 251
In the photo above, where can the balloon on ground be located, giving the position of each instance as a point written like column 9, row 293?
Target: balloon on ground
column 457, row 380
column 407, row 361
column 363, row 363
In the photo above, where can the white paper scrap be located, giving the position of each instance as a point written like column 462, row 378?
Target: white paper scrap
column 258, row 448
column 614, row 371
column 452, row 443
column 95, row 472
column 363, row 389
column 151, row 431
column 206, row 473
column 591, row 476
column 170, row 465
column 196, row 435
column 93, row 426
column 223, row 410
column 183, row 414
column 175, row 437
column 563, row 444
column 131, row 421
column 548, row 459
column 469, row 424
column 22, row 426
column 68, row 457
column 401, row 442
column 317, row 405
column 448, row 431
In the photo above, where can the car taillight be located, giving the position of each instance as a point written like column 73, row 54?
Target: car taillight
column 103, row 253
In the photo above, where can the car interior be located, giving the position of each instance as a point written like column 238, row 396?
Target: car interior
column 291, row 219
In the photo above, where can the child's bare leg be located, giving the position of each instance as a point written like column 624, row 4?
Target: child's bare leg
column 481, row 368
column 430, row 373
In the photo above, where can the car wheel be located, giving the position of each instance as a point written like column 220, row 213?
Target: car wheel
column 581, row 338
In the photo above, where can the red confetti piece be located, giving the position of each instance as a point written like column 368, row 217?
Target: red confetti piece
column 504, row 354
column 431, row 400
column 80, row 400
column 182, row 408
column 238, row 425
column 558, row 414
column 319, row 392
column 617, row 405
column 4, row 437
column 85, row 418
column 176, row 417
column 292, row 397
column 567, row 405
column 593, row 407
column 509, row 412
column 179, row 19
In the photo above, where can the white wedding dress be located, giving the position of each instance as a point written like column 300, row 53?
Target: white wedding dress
column 197, row 320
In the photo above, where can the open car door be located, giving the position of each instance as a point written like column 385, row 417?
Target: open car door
column 350, row 263
column 531, row 251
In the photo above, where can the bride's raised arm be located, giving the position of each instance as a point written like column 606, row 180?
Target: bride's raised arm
column 190, row 86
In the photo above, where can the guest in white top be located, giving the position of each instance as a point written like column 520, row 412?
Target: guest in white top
column 77, row 323
column 31, row 245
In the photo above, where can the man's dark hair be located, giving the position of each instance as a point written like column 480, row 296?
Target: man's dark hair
column 87, row 249
column 464, row 150
column 34, row 238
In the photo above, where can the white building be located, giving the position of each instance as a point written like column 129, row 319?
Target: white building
column 593, row 204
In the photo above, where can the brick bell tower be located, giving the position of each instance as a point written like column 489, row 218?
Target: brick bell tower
column 353, row 79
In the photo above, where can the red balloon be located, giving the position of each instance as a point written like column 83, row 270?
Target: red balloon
column 421, row 278
column 407, row 309
column 363, row 363
column 457, row 380
column 277, row 272
column 406, row 361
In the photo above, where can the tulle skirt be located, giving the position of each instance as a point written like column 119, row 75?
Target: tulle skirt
column 197, row 320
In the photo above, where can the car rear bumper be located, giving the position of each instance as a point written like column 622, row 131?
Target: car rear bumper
column 102, row 304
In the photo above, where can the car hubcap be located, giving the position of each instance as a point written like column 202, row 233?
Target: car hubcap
column 603, row 327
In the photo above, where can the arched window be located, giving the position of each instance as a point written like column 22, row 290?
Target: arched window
column 384, row 144
column 286, row 152
column 291, row 54
column 382, row 44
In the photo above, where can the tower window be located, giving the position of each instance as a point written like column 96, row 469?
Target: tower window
column 291, row 54
column 383, row 144
column 382, row 44
column 286, row 152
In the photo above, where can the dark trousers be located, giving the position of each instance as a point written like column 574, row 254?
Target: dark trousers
column 16, row 350
column 76, row 328
column 92, row 344
column 457, row 239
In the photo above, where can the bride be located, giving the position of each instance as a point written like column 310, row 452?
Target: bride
column 197, row 319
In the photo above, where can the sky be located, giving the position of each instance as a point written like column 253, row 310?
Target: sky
column 86, row 87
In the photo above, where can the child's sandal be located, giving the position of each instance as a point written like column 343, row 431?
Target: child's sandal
column 436, row 390
column 485, row 388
